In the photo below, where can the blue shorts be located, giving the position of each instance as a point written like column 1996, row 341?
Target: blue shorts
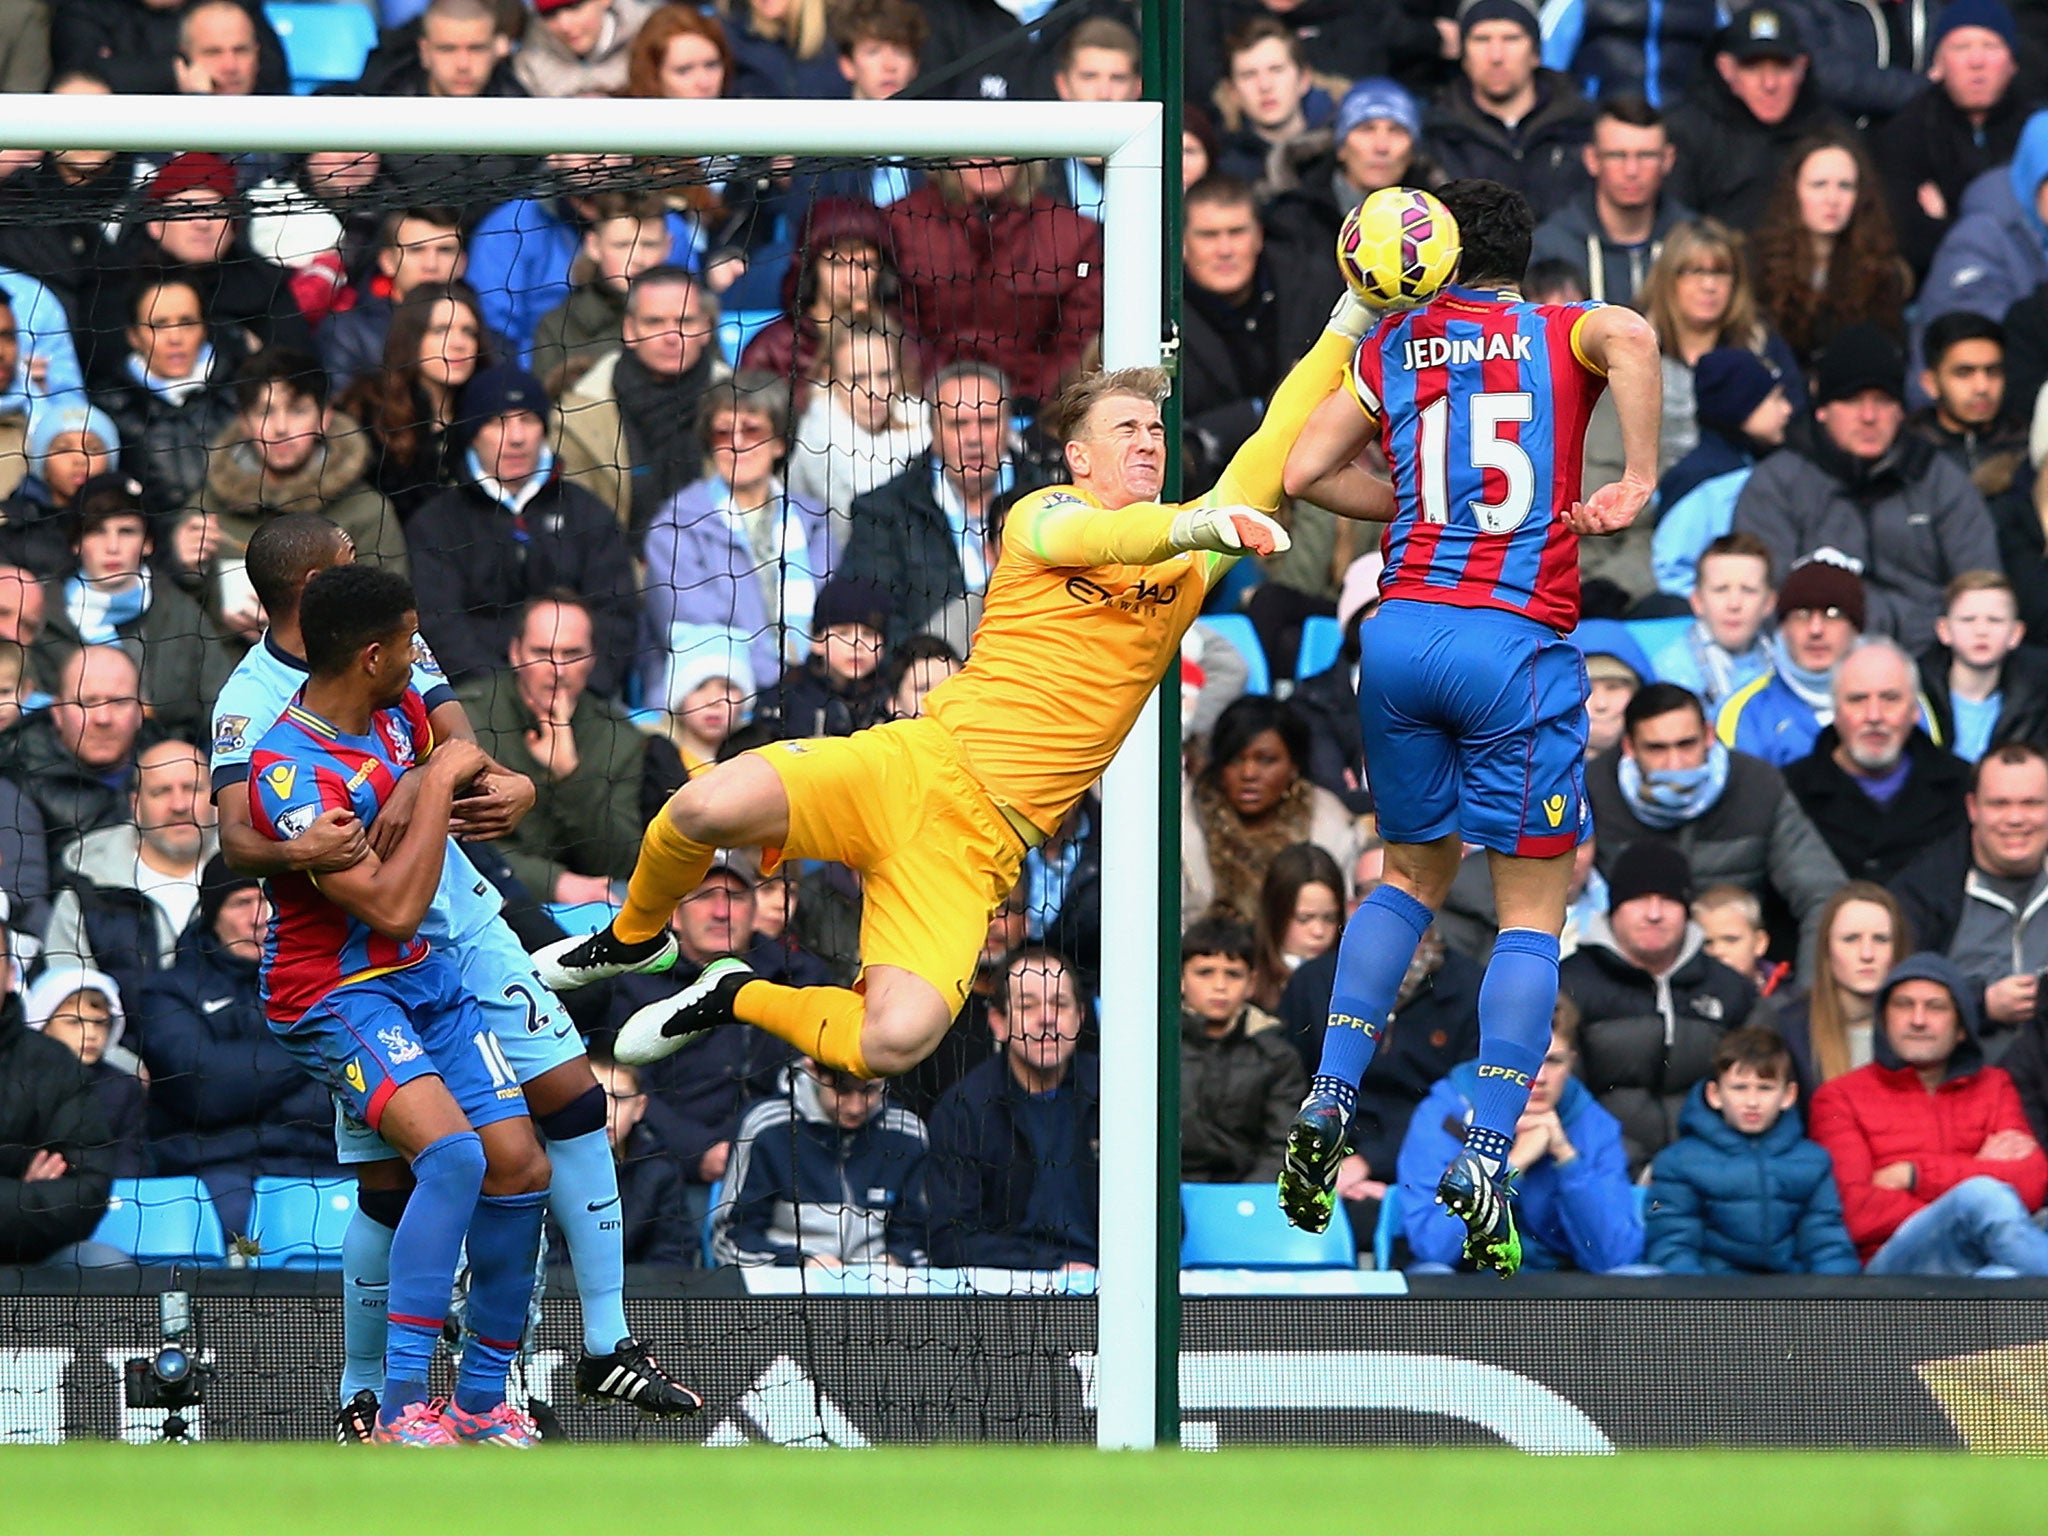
column 370, row 1038
column 534, row 1035
column 1474, row 722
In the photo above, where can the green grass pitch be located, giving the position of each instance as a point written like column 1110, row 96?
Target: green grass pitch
column 967, row 1491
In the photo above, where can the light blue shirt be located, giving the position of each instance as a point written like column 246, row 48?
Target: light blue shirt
column 1973, row 725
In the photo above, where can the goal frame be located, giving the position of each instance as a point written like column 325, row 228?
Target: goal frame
column 1135, row 1344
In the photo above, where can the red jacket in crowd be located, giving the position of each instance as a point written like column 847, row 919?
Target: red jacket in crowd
column 1015, row 285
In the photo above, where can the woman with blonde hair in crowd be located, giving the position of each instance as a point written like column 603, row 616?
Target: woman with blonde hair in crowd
column 782, row 49
column 1301, row 914
column 1829, row 1025
column 863, row 429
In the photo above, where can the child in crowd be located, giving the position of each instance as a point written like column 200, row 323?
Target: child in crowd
column 1726, row 648
column 1981, row 689
column 14, row 685
column 654, row 1223
column 861, row 431
column 916, row 667
column 1742, row 1190
column 81, row 1010
column 839, row 687
column 1239, row 1078
column 707, row 704
column 1732, row 919
column 1743, row 412
column 628, row 234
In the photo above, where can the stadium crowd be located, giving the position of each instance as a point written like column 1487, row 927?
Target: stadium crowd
column 1802, row 1026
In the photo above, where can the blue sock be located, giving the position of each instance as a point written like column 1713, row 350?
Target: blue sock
column 584, row 1199
column 365, row 1285
column 1378, row 943
column 424, row 1253
column 504, row 1245
column 1515, row 1006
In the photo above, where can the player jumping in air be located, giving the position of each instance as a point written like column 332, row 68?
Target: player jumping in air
column 535, row 1038
column 1473, row 703
column 371, row 1009
column 1085, row 611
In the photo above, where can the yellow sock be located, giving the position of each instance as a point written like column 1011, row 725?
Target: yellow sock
column 822, row 1022
column 670, row 866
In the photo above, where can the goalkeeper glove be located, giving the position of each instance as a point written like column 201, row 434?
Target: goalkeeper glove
column 1228, row 531
column 1352, row 317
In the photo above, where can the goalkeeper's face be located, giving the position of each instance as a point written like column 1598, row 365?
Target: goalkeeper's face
column 1119, row 454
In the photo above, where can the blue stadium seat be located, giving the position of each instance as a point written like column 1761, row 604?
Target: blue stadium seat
column 163, row 1221
column 581, row 917
column 1238, row 630
column 1387, row 1228
column 298, row 1223
column 323, row 44
column 1321, row 640
column 1240, row 1226
column 738, row 327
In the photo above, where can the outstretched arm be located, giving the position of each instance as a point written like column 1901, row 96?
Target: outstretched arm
column 1620, row 343
column 1323, row 465
column 1256, row 471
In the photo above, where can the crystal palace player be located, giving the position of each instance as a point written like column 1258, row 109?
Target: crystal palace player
column 372, row 1010
column 1085, row 612
column 1473, row 703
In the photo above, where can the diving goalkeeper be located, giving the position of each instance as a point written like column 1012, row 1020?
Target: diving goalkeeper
column 1083, row 615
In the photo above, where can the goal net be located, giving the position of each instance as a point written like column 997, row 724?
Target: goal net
column 693, row 429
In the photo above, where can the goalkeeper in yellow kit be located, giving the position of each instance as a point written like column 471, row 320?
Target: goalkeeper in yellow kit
column 1083, row 615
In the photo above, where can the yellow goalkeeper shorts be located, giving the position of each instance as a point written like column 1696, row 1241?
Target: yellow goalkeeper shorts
column 936, row 856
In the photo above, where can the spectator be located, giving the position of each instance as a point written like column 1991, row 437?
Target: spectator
column 654, row 1222
column 1613, row 230
column 994, row 271
column 827, row 1175
column 1507, row 118
column 879, row 42
column 1736, row 127
column 705, row 707
column 1977, row 899
column 1964, row 381
column 1827, row 1027
column 1933, row 1156
column 1698, row 299
column 1100, row 60
column 1315, row 180
column 844, row 276
column 926, row 536
column 1653, row 1004
column 1619, row 48
column 1875, row 785
column 1824, row 253
column 56, row 1154
column 1338, row 41
column 81, row 1010
column 1328, row 702
column 1301, row 917
column 779, row 49
column 837, row 689
column 1933, row 147
column 415, row 247
column 310, row 216
column 436, row 345
column 1995, row 254
column 1732, row 930
column 226, row 1104
column 511, row 531
column 862, row 430
column 135, row 46
column 1730, row 814
column 287, row 450
column 695, row 1097
column 125, row 893
column 628, row 235
column 461, row 56
column 176, row 402
column 1725, row 649
column 2022, row 519
column 1270, row 97
column 1779, row 716
column 1252, row 798
column 1742, row 413
column 46, row 364
column 72, row 443
column 113, row 599
column 219, row 51
column 733, row 562
column 1251, row 308
column 1572, row 1201
column 625, row 431
column 580, row 48
column 1742, row 1191
column 18, row 392
column 1902, row 513
column 1014, row 1143
column 1240, row 1081
column 1979, row 686
column 584, row 756
column 25, row 55
column 66, row 244
column 915, row 668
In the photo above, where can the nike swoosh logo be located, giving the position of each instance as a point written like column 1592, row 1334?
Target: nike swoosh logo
column 598, row 1205
column 216, row 1005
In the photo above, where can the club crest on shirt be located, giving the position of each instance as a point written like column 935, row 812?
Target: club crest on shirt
column 230, row 733
column 398, row 1047
column 294, row 822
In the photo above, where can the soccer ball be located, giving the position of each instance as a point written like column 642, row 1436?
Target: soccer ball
column 1398, row 248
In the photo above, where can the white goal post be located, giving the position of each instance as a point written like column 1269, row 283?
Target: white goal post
column 1127, row 136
